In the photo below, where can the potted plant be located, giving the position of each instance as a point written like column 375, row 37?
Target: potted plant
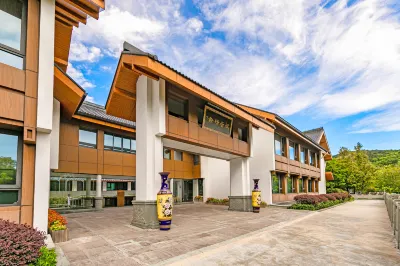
column 57, row 227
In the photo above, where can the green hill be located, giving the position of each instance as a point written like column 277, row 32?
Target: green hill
column 384, row 157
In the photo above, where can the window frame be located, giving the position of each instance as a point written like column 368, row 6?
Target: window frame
column 106, row 147
column 170, row 154
column 88, row 130
column 22, row 52
column 175, row 152
column 18, row 175
column 278, row 139
column 185, row 102
column 195, row 161
column 294, row 150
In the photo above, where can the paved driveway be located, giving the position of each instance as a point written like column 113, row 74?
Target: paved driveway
column 356, row 233
column 107, row 238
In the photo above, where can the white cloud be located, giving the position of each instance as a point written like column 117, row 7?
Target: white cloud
column 106, row 68
column 79, row 52
column 388, row 120
column 78, row 76
column 285, row 56
column 90, row 99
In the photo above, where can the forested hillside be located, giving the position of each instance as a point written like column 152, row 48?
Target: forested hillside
column 384, row 157
column 365, row 170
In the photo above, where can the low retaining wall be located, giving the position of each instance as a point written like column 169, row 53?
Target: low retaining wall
column 368, row 197
column 392, row 202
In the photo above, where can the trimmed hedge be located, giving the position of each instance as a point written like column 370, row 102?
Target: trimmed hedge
column 217, row 201
column 317, row 202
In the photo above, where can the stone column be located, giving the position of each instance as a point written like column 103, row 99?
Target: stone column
column 129, row 186
column 284, row 184
column 74, row 185
column 305, row 184
column 240, row 198
column 99, row 198
column 195, row 188
column 297, row 187
column 150, row 127
column 104, row 186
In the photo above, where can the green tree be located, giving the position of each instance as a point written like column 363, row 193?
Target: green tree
column 388, row 179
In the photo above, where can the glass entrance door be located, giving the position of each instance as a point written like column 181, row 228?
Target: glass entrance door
column 187, row 191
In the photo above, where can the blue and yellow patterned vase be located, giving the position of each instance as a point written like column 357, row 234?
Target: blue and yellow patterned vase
column 256, row 197
column 164, row 204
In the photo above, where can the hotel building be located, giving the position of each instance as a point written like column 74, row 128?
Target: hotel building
column 53, row 144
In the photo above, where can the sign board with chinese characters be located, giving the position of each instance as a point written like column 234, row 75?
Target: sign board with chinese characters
column 217, row 121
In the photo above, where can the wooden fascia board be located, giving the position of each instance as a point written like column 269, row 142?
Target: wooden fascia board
column 100, row 3
column 63, row 78
column 125, row 93
column 160, row 70
column 103, row 123
column 59, row 61
column 85, row 9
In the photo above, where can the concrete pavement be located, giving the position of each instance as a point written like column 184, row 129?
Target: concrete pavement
column 356, row 233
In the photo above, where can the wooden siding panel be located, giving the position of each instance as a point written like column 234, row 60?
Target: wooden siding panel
column 128, row 159
column 30, row 112
column 12, row 78
column 68, row 153
column 67, row 167
column 32, row 36
column 128, row 171
column 11, row 104
column 10, row 213
column 28, row 173
column 69, row 134
column 31, row 84
column 87, row 168
column 112, row 169
column 168, row 165
column 27, row 215
column 87, row 155
column 112, row 158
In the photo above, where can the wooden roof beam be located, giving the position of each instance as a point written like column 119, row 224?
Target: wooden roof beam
column 69, row 15
column 85, row 9
column 66, row 21
column 71, row 9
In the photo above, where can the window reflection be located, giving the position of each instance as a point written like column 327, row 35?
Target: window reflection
column 11, row 60
column 8, row 159
column 11, row 15
column 87, row 138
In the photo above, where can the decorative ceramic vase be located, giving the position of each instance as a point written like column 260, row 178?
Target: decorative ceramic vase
column 164, row 203
column 256, row 197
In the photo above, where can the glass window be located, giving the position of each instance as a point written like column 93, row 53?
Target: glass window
column 87, row 138
column 276, row 184
column 292, row 151
column 54, row 185
column 283, row 146
column 178, row 156
column 117, row 186
column 133, row 145
column 303, row 155
column 301, row 187
column 309, row 186
column 126, row 145
column 177, row 107
column 200, row 115
column 81, row 186
column 242, row 132
column 8, row 196
column 108, row 142
column 290, row 185
column 278, row 146
column 12, row 36
column 312, row 158
column 93, row 185
column 117, row 143
column 167, row 154
column 8, row 159
column 196, row 159
column 133, row 185
column 201, row 187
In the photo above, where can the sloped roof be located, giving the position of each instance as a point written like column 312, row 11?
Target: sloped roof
column 315, row 134
column 96, row 111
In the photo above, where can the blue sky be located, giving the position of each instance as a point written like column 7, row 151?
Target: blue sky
column 328, row 63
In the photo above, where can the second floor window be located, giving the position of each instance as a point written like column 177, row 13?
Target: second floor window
column 312, row 158
column 303, row 155
column 167, row 154
column 87, row 138
column 178, row 107
column 278, row 145
column 178, row 156
column 13, row 32
column 292, row 150
column 118, row 143
column 242, row 134
column 196, row 159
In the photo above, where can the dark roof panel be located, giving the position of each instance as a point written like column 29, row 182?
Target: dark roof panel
column 315, row 134
column 96, row 111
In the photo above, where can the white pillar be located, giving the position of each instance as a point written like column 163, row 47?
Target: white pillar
column 195, row 188
column 104, row 186
column 240, row 177
column 171, row 185
column 98, row 186
column 74, row 185
column 88, row 185
column 44, row 114
column 129, row 186
column 55, row 135
column 322, row 183
column 150, row 126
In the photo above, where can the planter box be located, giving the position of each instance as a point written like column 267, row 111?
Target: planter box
column 59, row 236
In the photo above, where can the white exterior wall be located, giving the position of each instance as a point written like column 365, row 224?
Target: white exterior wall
column 322, row 183
column 55, row 136
column 216, row 174
column 150, row 126
column 263, row 162
column 44, row 114
column 240, row 177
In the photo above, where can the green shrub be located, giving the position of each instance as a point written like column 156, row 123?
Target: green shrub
column 335, row 190
column 58, row 201
column 263, row 204
column 300, row 206
column 48, row 257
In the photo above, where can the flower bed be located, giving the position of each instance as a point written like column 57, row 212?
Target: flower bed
column 215, row 201
column 317, row 202
column 198, row 198
column 21, row 244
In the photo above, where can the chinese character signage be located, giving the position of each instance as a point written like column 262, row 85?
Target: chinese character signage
column 217, row 121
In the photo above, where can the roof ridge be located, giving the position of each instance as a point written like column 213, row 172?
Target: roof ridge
column 94, row 104
column 314, row 129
